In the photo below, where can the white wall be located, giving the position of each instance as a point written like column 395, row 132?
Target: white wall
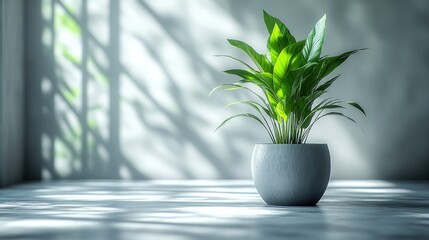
column 118, row 89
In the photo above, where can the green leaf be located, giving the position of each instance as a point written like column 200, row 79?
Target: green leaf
column 260, row 60
column 300, row 78
column 245, row 74
column 255, row 105
column 276, row 43
column 341, row 115
column 329, row 64
column 312, row 97
column 322, row 108
column 258, row 108
column 236, row 59
column 357, row 106
column 313, row 45
column 331, row 106
column 285, row 63
column 236, row 86
column 327, row 84
column 263, row 80
column 280, row 93
column 325, row 66
column 215, row 89
column 272, row 100
column 280, row 109
column 307, row 113
column 248, row 115
column 267, row 78
column 231, row 87
column 270, row 21
column 337, row 114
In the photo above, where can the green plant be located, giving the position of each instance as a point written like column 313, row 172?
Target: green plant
column 290, row 78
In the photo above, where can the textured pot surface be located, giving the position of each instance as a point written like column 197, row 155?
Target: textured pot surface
column 291, row 174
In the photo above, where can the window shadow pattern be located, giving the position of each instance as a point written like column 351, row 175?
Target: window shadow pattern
column 95, row 111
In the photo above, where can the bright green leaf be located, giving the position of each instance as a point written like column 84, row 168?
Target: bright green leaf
column 270, row 21
column 276, row 43
column 284, row 64
column 281, row 110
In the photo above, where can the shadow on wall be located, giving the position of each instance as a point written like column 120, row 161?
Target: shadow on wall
column 118, row 89
column 97, row 109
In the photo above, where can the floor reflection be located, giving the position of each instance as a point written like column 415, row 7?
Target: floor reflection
column 209, row 210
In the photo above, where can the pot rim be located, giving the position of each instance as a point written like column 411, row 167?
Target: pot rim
column 292, row 144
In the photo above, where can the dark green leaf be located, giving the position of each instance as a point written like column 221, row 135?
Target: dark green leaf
column 357, row 106
column 329, row 64
column 327, row 84
column 337, row 114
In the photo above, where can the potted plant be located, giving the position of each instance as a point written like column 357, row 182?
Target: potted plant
column 289, row 81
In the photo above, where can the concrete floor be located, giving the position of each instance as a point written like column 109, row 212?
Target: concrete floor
column 210, row 210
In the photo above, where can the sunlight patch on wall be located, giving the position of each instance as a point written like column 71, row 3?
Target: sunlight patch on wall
column 98, row 84
column 166, row 118
column 342, row 147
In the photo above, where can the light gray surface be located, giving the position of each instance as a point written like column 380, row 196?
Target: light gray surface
column 291, row 174
column 11, row 93
column 210, row 210
column 159, row 110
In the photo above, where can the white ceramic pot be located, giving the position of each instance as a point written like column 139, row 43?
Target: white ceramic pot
column 291, row 174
